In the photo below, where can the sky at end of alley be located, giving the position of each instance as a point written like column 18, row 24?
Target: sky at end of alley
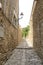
column 25, row 6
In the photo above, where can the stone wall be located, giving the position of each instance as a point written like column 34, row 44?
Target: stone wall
column 37, row 25
column 30, row 35
column 8, row 28
column 9, row 39
column 8, row 7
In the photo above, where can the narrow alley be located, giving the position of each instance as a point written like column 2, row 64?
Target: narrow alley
column 12, row 51
column 23, row 55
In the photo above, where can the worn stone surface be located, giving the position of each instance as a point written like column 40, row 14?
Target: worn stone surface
column 22, row 55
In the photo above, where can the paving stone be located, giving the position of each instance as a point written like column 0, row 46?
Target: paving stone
column 22, row 56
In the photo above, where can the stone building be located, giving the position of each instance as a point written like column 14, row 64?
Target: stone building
column 9, row 25
column 36, row 26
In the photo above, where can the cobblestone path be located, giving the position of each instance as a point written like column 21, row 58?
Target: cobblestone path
column 23, row 55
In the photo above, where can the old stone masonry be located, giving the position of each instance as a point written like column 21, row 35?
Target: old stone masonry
column 23, row 55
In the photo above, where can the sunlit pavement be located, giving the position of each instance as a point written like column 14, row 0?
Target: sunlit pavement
column 29, row 43
column 23, row 55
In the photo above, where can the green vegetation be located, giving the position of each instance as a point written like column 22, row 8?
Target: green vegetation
column 25, row 31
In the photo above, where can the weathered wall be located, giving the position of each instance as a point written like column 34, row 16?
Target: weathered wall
column 37, row 25
column 8, row 7
column 30, row 35
column 8, row 28
column 9, row 40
